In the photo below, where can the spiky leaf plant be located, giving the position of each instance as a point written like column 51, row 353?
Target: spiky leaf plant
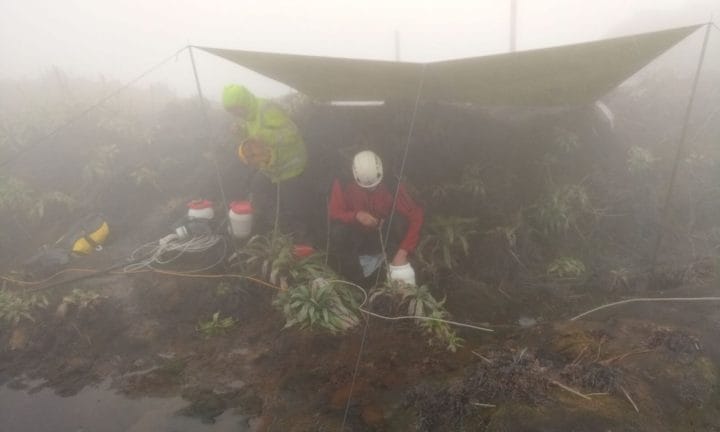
column 446, row 239
column 566, row 267
column 318, row 304
column 15, row 307
column 421, row 303
column 82, row 299
column 308, row 299
column 562, row 209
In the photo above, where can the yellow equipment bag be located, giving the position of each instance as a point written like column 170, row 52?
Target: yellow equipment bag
column 91, row 233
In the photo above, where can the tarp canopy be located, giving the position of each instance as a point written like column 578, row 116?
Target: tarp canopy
column 557, row 76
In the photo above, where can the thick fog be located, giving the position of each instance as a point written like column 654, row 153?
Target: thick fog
column 116, row 40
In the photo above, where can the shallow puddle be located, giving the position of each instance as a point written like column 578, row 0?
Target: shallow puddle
column 101, row 409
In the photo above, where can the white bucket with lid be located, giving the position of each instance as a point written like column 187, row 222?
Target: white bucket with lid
column 404, row 273
column 241, row 219
column 200, row 209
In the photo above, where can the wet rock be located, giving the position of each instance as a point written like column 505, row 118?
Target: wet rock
column 526, row 322
column 260, row 424
column 18, row 339
column 61, row 311
column 206, row 404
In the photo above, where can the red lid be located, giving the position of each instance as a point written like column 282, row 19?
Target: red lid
column 302, row 251
column 199, row 204
column 241, row 207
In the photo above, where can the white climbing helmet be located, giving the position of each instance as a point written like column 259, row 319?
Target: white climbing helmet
column 367, row 169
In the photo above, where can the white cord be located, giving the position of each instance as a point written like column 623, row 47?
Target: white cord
column 169, row 249
column 404, row 317
column 648, row 299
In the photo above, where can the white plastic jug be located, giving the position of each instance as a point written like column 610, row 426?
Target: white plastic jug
column 200, row 209
column 404, row 273
column 241, row 219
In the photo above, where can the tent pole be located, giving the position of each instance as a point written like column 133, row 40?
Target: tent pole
column 197, row 83
column 207, row 123
column 678, row 154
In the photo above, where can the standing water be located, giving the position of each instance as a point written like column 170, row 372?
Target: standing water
column 101, row 409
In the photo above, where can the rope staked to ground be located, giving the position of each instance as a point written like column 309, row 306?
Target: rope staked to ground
column 392, row 213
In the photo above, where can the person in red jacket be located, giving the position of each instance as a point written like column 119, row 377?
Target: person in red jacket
column 358, row 209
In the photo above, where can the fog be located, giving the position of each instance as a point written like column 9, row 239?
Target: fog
column 171, row 265
column 116, row 40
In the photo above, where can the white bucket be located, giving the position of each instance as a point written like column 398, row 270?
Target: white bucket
column 200, row 209
column 404, row 273
column 241, row 219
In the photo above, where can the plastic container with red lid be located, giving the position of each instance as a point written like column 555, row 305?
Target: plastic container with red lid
column 241, row 219
column 200, row 209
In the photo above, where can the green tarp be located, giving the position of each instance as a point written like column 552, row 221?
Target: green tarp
column 557, row 76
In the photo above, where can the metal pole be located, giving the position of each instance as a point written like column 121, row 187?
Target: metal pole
column 197, row 84
column 207, row 123
column 678, row 155
column 513, row 25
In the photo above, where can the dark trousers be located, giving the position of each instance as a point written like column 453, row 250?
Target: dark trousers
column 349, row 241
column 298, row 199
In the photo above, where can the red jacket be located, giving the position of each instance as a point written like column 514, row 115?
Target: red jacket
column 345, row 203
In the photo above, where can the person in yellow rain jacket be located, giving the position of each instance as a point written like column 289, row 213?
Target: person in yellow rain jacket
column 271, row 141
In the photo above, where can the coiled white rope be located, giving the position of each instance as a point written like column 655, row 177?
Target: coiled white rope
column 165, row 252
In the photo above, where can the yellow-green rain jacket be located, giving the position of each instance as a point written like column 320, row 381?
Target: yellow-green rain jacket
column 269, row 124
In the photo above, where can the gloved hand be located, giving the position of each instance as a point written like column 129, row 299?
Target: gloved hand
column 366, row 219
column 404, row 273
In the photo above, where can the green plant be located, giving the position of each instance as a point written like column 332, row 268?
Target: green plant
column 318, row 304
column 16, row 196
column 82, row 299
column 216, row 325
column 446, row 238
column 15, row 307
column 55, row 197
column 619, row 277
column 100, row 164
column 562, row 210
column 267, row 256
column 21, row 200
column 566, row 267
column 568, row 141
column 508, row 233
column 307, row 299
column 640, row 159
column 421, row 303
column 145, row 176
column 471, row 183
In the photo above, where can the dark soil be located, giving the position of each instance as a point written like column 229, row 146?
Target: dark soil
column 539, row 371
